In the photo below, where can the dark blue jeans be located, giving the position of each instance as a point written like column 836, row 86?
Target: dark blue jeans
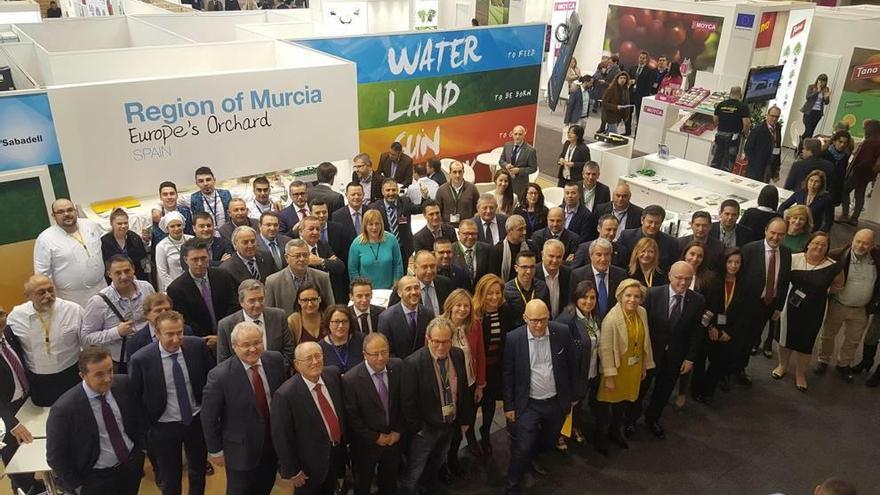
column 537, row 429
column 726, row 147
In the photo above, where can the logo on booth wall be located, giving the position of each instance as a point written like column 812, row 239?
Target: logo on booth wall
column 797, row 28
column 704, row 26
column 866, row 71
column 745, row 21
column 652, row 110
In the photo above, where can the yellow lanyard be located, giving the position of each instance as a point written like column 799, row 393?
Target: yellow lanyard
column 523, row 296
column 47, row 326
column 649, row 279
column 728, row 296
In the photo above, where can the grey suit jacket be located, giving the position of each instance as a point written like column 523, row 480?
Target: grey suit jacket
column 526, row 160
column 263, row 249
column 227, row 228
column 326, row 194
column 281, row 293
column 278, row 336
column 239, row 271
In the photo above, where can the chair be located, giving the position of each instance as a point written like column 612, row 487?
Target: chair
column 553, row 196
column 484, row 187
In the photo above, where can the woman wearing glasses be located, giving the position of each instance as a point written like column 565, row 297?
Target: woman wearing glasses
column 305, row 321
column 342, row 347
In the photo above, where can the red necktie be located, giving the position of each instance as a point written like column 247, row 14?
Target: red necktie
column 329, row 416
column 770, row 292
column 260, row 391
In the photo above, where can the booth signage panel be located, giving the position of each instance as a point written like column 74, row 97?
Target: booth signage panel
column 745, row 21
column 27, row 133
column 423, row 89
column 860, row 98
column 123, row 138
column 794, row 49
column 765, row 30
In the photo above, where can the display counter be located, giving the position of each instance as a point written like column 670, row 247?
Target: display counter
column 660, row 122
column 614, row 160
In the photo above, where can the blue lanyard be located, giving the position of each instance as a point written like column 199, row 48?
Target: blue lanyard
column 343, row 361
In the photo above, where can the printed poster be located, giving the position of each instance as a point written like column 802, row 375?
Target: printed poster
column 861, row 91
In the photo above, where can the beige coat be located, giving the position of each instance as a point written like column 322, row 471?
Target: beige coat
column 613, row 340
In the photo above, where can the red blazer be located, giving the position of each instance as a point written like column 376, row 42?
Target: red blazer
column 478, row 353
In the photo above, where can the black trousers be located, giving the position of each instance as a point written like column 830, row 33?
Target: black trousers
column 667, row 373
column 537, row 429
column 633, row 410
column 811, row 120
column 758, row 316
column 46, row 389
column 720, row 359
column 335, row 471
column 256, row 481
column 24, row 480
column 124, row 479
column 166, row 440
column 375, row 462
column 724, row 154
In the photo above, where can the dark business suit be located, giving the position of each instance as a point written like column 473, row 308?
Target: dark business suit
column 615, row 276
column 188, row 300
column 583, row 223
column 342, row 216
column 458, row 275
column 753, row 275
column 236, row 267
column 758, row 149
column 500, row 223
column 325, row 193
column 481, row 260
column 336, row 238
column 367, row 418
column 167, row 438
column 672, row 344
column 335, row 268
column 422, row 408
column 744, row 235
column 642, row 88
column 579, row 157
column 526, row 160
column 394, row 324
column 569, row 239
column 802, row 168
column 403, row 174
column 73, row 444
column 144, row 337
column 289, row 217
column 619, row 255
column 375, row 192
column 301, row 439
column 279, row 338
column 404, row 209
column 668, row 246
column 633, row 215
column 564, row 285
column 233, row 424
column 263, row 248
column 537, row 422
column 442, row 287
column 228, row 227
column 374, row 312
column 424, row 239
column 602, row 195
column 217, row 248
column 514, row 297
column 8, row 410
column 714, row 251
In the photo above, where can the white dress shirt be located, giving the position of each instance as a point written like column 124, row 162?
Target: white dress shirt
column 172, row 406
column 493, row 227
column 76, row 269
column 542, row 382
column 100, row 323
column 168, row 265
column 261, row 324
column 63, row 322
column 107, row 456
column 311, row 386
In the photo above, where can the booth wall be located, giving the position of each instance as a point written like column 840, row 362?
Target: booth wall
column 136, row 7
column 387, row 16
column 206, row 28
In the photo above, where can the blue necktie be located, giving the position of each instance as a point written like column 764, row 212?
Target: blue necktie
column 357, row 223
column 186, row 412
column 603, row 294
column 392, row 220
column 412, row 321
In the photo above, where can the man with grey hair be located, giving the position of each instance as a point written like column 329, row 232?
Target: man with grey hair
column 733, row 119
column 247, row 263
column 520, row 159
column 457, row 198
column 502, row 256
column 605, row 276
column 235, row 407
column 271, row 321
column 238, row 217
column 281, row 287
column 363, row 174
column 490, row 225
column 434, row 403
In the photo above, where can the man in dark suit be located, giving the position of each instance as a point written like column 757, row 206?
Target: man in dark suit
column 447, row 268
column 763, row 148
column 765, row 274
column 271, row 321
column 602, row 273
column 308, row 425
column 434, row 404
column 298, row 208
column 374, row 409
column 502, row 256
column 323, row 189
column 726, row 230
column 491, row 226
column 247, row 263
column 576, row 217
column 95, row 434
column 366, row 315
column 811, row 160
column 556, row 276
column 351, row 216
column 629, row 216
column 331, row 233
column 235, row 412
column 219, row 249
column 524, row 286
column 370, row 180
column 404, row 323
column 433, row 230
column 322, row 257
column 539, row 372
column 238, row 217
column 555, row 229
column 641, row 80
column 192, row 292
column 154, row 305
column 701, row 222
column 607, row 228
column 270, row 243
column 652, row 220
column 470, row 253
column 396, row 215
column 168, row 378
column 593, row 192
column 675, row 317
column 520, row 159
column 433, row 288
column 397, row 165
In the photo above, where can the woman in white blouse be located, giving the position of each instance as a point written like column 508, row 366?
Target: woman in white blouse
column 168, row 250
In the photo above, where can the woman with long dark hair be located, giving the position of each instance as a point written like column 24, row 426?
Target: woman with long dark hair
column 756, row 218
column 726, row 334
column 615, row 103
column 532, row 209
column 503, row 192
column 672, row 80
column 573, row 157
column 818, row 97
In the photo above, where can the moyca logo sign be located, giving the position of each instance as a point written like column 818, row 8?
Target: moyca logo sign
column 704, row 26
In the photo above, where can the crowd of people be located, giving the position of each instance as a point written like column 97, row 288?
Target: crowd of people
column 242, row 332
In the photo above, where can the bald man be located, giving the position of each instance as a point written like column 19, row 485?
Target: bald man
column 520, row 159
column 555, row 229
column 539, row 371
column 47, row 327
column 675, row 320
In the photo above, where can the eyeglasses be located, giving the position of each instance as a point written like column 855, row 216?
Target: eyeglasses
column 526, row 267
column 538, row 321
column 309, row 300
column 336, row 323
column 298, row 256
column 376, row 354
column 314, row 358
column 250, row 345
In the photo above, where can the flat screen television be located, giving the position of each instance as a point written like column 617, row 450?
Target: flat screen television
column 762, row 83
column 568, row 35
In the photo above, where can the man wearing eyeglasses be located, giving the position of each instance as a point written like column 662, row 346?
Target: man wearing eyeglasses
column 281, row 287
column 271, row 321
column 763, row 148
column 298, row 209
column 525, row 286
column 69, row 253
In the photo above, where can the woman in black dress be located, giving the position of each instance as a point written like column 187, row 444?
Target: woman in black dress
column 704, row 283
column 757, row 218
column 813, row 276
column 644, row 263
column 532, row 209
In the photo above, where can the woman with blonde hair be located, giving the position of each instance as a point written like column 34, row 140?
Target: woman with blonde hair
column 467, row 336
column 375, row 254
column 644, row 263
column 625, row 355
column 493, row 313
column 800, row 223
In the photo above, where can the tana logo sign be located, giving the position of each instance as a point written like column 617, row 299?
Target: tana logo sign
column 866, row 71
column 797, row 28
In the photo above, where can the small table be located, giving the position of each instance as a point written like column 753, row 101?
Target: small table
column 31, row 458
column 33, row 418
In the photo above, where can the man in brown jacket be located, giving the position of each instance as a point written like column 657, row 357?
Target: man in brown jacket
column 457, row 198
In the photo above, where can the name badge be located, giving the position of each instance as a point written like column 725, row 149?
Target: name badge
column 454, row 218
column 721, row 320
column 402, row 220
column 448, row 410
column 776, row 151
column 634, row 360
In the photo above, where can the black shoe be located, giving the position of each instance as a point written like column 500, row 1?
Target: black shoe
column 744, row 379
column 629, row 431
column 209, row 471
column 846, row 373
column 820, row 368
column 755, row 350
column 705, row 399
column 619, row 439
column 724, row 383
column 657, row 430
column 867, row 362
column 486, row 445
column 874, row 380
column 445, row 476
column 538, row 469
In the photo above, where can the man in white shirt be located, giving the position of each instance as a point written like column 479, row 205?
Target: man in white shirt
column 422, row 187
column 69, row 253
column 48, row 329
column 261, row 203
column 115, row 313
column 365, row 314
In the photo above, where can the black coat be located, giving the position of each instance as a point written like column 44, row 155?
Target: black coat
column 579, row 157
column 424, row 239
column 496, row 258
column 322, row 192
column 237, row 268
column 802, row 168
column 375, row 185
column 363, row 407
column 744, row 235
column 405, row 210
column 619, row 256
column 759, row 151
column 375, row 311
column 134, row 249
column 346, row 231
column 633, row 215
column 500, row 222
column 753, row 273
column 753, row 219
column 421, row 397
column 188, row 300
column 615, row 276
column 517, row 370
column 568, row 238
column 142, row 338
column 668, row 246
column 674, row 344
column 442, row 286
column 458, row 275
column 564, row 285
column 394, row 324
column 602, row 196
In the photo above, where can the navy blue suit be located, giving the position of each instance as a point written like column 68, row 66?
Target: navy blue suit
column 669, row 252
column 142, row 338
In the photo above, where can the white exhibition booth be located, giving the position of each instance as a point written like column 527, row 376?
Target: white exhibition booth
column 19, row 12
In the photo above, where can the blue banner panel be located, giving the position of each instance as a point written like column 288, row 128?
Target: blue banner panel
column 27, row 134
